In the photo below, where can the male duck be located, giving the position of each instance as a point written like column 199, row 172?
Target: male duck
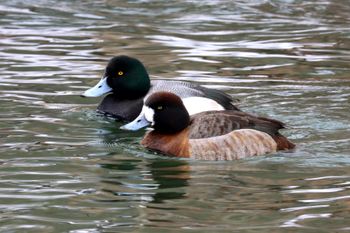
column 128, row 80
column 212, row 135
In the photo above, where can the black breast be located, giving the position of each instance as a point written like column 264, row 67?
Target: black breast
column 121, row 109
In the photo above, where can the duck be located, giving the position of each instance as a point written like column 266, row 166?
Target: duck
column 209, row 135
column 128, row 84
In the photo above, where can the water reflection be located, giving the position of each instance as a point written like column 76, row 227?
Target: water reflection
column 163, row 180
column 163, row 190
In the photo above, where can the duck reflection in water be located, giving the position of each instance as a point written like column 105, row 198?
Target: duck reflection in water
column 162, row 180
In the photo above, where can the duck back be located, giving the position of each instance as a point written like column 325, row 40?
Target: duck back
column 187, row 89
column 216, row 123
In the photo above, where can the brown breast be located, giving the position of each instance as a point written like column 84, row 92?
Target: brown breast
column 173, row 145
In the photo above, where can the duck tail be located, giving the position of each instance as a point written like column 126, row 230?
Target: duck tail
column 282, row 142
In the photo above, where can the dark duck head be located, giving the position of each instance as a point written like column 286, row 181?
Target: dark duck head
column 164, row 111
column 125, row 76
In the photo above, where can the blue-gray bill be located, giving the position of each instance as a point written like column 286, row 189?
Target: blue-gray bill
column 139, row 123
column 99, row 89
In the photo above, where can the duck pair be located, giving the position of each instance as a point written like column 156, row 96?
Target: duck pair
column 188, row 120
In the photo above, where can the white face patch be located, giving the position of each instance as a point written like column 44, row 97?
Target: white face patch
column 99, row 89
column 148, row 113
column 200, row 104
column 144, row 119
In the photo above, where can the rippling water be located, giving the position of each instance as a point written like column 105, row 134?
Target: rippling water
column 66, row 169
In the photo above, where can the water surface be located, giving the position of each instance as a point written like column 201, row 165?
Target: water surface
column 64, row 168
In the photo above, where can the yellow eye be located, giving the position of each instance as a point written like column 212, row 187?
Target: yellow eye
column 160, row 107
column 120, row 73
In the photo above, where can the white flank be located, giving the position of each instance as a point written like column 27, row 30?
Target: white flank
column 200, row 104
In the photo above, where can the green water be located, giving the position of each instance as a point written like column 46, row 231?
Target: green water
column 64, row 168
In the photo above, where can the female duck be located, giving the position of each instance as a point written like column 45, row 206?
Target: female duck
column 212, row 135
column 128, row 81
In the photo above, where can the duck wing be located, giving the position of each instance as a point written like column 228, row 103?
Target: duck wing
column 216, row 123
